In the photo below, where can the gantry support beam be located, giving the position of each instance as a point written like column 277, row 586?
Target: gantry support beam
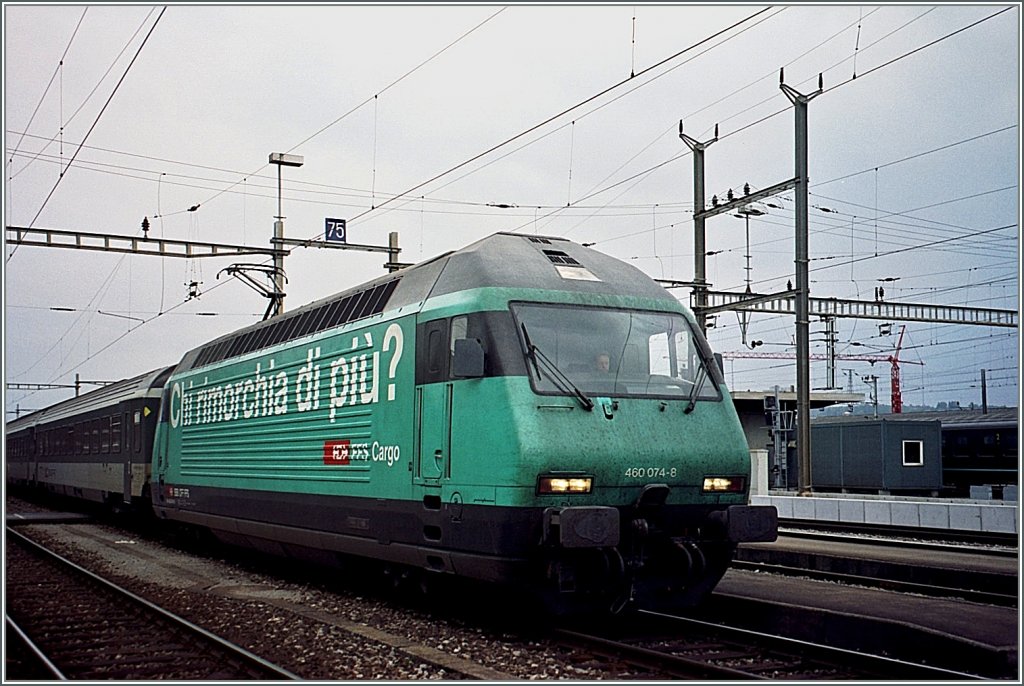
column 746, row 199
column 783, row 303
column 160, row 247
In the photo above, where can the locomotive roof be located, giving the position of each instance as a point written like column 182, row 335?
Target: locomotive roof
column 544, row 262
column 144, row 385
column 503, row 260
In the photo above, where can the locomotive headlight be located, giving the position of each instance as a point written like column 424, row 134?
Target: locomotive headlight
column 552, row 485
column 724, row 484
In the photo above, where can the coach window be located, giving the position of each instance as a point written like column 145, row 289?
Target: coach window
column 127, row 434
column 104, row 434
column 913, row 453
column 95, row 437
column 115, row 433
column 137, row 431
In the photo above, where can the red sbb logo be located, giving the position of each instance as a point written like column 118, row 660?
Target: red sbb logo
column 337, row 452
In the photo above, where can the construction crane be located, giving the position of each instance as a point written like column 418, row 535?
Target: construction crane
column 896, row 397
column 894, row 360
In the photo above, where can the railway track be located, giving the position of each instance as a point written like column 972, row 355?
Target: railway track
column 885, row 534
column 969, row 587
column 77, row 625
column 952, row 582
column 644, row 653
column 660, row 646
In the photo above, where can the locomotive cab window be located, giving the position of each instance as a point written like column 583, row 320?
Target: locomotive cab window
column 617, row 352
column 492, row 333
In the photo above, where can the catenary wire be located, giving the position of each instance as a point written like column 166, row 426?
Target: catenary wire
column 95, row 122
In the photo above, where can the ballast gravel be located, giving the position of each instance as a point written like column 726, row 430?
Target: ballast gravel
column 313, row 628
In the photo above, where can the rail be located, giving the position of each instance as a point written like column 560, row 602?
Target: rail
column 120, row 621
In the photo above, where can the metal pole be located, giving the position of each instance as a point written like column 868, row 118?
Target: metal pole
column 700, row 284
column 279, row 259
column 831, row 336
column 281, row 160
column 984, row 394
column 393, row 251
column 874, row 384
column 803, row 345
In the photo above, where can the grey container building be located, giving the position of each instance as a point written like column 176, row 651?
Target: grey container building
column 876, row 455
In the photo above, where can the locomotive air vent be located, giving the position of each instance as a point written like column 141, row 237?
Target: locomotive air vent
column 536, row 239
column 568, row 267
column 559, row 257
column 358, row 305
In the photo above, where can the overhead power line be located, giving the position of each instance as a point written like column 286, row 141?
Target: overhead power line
column 366, row 101
column 784, row 110
column 915, row 156
column 96, row 121
column 52, row 139
column 556, row 116
column 60, row 63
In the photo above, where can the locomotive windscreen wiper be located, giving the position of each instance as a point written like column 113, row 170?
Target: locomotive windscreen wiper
column 558, row 378
column 698, row 383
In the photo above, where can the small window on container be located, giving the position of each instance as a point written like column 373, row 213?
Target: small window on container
column 913, row 453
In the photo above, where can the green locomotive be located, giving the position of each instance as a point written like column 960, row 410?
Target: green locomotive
column 525, row 411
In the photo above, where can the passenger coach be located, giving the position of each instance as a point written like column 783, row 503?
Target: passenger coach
column 98, row 447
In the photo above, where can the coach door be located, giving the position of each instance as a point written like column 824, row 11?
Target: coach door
column 433, row 404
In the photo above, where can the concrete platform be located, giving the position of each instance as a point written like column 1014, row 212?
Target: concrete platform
column 937, row 566
column 992, row 516
column 947, row 631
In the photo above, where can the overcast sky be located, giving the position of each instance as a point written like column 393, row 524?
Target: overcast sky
column 914, row 164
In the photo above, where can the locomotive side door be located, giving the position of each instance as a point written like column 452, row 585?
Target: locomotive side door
column 433, row 404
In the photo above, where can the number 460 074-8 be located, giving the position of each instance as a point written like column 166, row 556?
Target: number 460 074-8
column 649, row 472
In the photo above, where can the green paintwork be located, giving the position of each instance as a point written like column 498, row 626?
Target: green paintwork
column 484, row 441
column 249, row 433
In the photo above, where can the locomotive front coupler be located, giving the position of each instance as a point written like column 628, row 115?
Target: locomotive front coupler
column 581, row 527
